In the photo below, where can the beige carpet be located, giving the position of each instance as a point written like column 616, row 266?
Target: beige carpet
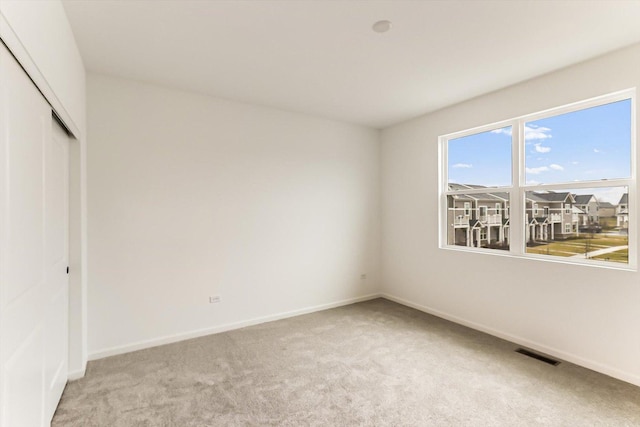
column 370, row 364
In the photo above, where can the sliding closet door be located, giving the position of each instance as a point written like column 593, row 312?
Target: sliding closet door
column 33, row 252
column 56, row 246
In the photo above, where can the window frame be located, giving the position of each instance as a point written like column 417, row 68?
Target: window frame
column 518, row 188
column 482, row 209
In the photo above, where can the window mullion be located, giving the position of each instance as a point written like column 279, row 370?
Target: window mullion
column 443, row 187
column 516, row 221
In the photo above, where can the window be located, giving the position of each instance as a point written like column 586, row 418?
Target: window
column 483, row 213
column 545, row 173
column 475, row 177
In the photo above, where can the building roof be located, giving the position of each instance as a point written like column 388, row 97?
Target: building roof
column 583, row 199
column 462, row 197
column 550, row 196
column 499, row 196
column 547, row 196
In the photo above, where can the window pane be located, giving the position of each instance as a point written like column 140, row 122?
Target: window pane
column 481, row 159
column 583, row 224
column 585, row 145
column 478, row 220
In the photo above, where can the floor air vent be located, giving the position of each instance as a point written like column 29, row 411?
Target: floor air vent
column 538, row 357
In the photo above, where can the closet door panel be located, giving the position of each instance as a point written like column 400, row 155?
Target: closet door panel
column 33, row 248
column 56, row 229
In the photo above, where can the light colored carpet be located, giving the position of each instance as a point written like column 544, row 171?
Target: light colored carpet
column 375, row 363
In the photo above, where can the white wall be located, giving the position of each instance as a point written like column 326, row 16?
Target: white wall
column 192, row 196
column 583, row 314
column 39, row 35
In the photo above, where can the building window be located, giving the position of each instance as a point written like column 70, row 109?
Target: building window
column 539, row 170
column 482, row 213
column 467, row 209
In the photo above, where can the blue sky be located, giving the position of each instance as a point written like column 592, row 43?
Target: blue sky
column 590, row 144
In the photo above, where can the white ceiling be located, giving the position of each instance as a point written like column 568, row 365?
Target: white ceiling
column 322, row 58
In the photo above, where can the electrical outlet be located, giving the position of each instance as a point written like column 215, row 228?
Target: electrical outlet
column 363, row 276
column 214, row 299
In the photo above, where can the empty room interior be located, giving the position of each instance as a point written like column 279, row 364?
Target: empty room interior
column 306, row 213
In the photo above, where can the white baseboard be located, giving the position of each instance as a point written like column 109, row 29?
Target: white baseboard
column 569, row 357
column 572, row 358
column 76, row 375
column 154, row 342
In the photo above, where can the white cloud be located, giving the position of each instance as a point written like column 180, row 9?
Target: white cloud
column 595, row 150
column 575, row 163
column 536, row 132
column 536, row 171
column 462, row 165
column 504, row 131
column 531, row 132
column 540, row 169
column 541, row 149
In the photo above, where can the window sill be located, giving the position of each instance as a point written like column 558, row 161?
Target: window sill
column 543, row 258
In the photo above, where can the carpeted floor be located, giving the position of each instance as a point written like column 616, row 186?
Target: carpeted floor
column 375, row 363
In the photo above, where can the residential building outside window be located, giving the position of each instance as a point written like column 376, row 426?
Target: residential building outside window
column 566, row 175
